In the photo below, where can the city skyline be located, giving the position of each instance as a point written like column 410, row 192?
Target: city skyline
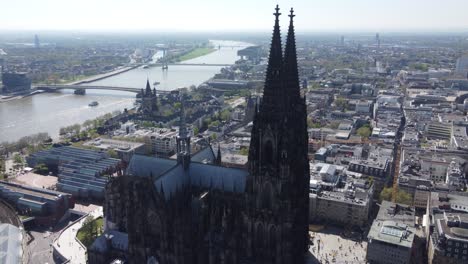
column 213, row 16
column 183, row 132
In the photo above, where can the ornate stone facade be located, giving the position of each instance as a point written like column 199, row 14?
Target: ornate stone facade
column 193, row 210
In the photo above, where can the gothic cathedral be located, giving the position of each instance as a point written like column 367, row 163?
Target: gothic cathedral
column 188, row 210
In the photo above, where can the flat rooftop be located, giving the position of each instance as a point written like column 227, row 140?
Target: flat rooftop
column 392, row 232
column 104, row 143
column 47, row 194
column 397, row 212
column 459, row 232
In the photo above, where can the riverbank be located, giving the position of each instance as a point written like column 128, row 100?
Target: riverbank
column 88, row 79
column 7, row 98
column 195, row 53
column 103, row 75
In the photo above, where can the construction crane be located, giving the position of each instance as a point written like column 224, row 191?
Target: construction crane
column 396, row 173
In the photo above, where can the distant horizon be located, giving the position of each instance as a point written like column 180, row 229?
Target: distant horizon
column 314, row 16
column 463, row 31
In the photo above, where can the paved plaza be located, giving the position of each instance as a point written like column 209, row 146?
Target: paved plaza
column 86, row 207
column 36, row 180
column 39, row 249
column 331, row 247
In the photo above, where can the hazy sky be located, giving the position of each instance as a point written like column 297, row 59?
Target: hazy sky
column 233, row 15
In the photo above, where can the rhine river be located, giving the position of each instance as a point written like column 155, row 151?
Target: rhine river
column 49, row 112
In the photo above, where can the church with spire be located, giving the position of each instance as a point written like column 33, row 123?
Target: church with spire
column 194, row 210
column 149, row 101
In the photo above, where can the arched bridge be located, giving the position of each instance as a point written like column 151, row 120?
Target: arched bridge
column 81, row 89
column 187, row 64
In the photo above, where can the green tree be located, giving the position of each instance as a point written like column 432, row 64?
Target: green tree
column 41, row 169
column 84, row 134
column 314, row 85
column 401, row 196
column 364, row 131
column 404, row 197
column 371, row 180
column 86, row 231
column 90, row 230
column 18, row 159
column 341, row 103
column 386, row 194
column 88, row 124
column 244, row 151
column 87, row 227
column 2, row 169
column 147, row 124
column 420, row 66
column 92, row 133
column 214, row 123
column 195, row 131
column 2, row 165
column 168, row 112
column 225, row 115
column 113, row 154
column 312, row 124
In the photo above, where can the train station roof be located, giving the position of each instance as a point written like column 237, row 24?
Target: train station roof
column 11, row 238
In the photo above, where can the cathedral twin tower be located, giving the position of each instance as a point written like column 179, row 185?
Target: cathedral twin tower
column 278, row 182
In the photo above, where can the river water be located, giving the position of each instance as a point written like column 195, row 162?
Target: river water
column 49, row 112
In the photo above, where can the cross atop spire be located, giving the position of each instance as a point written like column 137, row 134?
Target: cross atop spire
column 277, row 13
column 291, row 15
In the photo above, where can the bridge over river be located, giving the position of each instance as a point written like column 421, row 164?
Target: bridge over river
column 81, row 89
column 185, row 64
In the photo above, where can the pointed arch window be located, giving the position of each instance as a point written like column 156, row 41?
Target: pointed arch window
column 272, row 242
column 268, row 152
column 266, row 197
column 259, row 236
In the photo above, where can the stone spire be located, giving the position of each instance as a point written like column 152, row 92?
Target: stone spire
column 218, row 157
column 182, row 125
column 148, row 87
column 290, row 71
column 183, row 140
column 155, row 99
column 272, row 89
